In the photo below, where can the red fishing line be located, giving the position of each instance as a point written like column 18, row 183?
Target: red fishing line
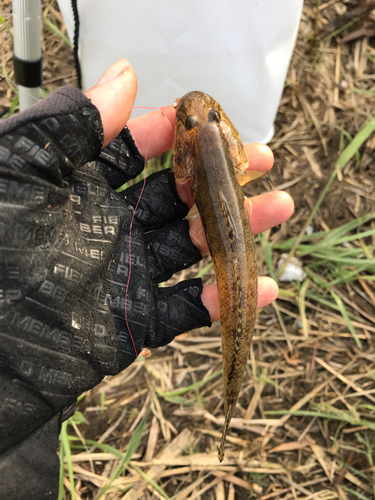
column 131, row 225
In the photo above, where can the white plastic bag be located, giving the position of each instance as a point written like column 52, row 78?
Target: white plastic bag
column 236, row 50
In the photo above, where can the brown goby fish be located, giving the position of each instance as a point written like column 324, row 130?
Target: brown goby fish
column 208, row 150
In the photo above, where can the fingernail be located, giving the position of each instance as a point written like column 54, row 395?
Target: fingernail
column 116, row 70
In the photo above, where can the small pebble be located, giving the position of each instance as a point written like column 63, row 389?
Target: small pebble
column 293, row 271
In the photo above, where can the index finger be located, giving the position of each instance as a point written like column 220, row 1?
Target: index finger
column 154, row 129
column 154, row 132
column 260, row 159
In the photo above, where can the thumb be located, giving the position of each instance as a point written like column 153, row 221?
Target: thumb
column 114, row 96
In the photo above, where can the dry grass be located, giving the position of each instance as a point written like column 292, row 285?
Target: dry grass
column 304, row 425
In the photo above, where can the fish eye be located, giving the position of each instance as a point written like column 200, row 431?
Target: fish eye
column 191, row 121
column 213, row 116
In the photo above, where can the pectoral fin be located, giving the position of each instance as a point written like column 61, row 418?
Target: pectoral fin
column 246, row 176
column 196, row 230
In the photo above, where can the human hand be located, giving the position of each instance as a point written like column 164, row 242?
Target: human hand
column 265, row 211
column 82, row 296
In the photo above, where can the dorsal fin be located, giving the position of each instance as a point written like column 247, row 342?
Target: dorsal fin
column 228, row 221
column 236, row 279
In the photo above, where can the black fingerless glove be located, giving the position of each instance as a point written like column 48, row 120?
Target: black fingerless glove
column 64, row 267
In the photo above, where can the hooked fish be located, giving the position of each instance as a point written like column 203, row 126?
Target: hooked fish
column 208, row 150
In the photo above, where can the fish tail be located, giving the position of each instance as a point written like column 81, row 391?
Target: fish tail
column 228, row 416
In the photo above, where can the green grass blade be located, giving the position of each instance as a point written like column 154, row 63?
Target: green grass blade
column 12, row 108
column 150, row 481
column 333, row 306
column 102, row 401
column 48, row 8
column 183, row 390
column 66, row 445
column 336, row 237
column 352, row 448
column 307, row 223
column 342, row 28
column 267, row 252
column 342, row 417
column 9, row 81
column 339, row 235
column 122, row 188
column 340, row 306
column 343, row 159
column 78, row 418
column 345, row 261
column 286, row 294
column 363, row 91
column 164, row 161
column 302, row 307
column 5, row 24
column 62, row 469
column 132, row 446
column 205, row 269
column 161, row 162
column 358, row 472
column 287, row 244
column 105, row 447
column 55, row 30
column 346, row 317
column 355, row 493
column 368, row 407
column 185, row 493
column 178, row 400
column 348, row 277
column 355, row 144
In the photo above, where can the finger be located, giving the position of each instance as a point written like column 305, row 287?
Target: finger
column 268, row 291
column 153, row 132
column 170, row 250
column 159, row 203
column 260, row 159
column 178, row 309
column 264, row 211
column 270, row 209
column 114, row 96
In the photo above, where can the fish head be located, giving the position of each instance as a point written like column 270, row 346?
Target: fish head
column 191, row 114
column 196, row 111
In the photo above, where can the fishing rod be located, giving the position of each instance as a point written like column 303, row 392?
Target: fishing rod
column 27, row 52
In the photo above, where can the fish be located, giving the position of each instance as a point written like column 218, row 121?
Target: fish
column 208, row 150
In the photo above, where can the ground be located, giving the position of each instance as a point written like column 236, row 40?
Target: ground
column 304, row 425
